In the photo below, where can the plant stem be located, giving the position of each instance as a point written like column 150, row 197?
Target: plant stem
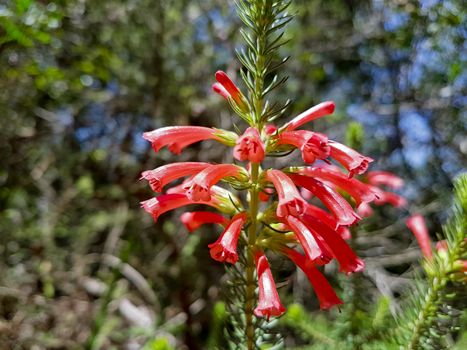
column 250, row 267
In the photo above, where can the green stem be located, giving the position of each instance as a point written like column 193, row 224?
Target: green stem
column 250, row 267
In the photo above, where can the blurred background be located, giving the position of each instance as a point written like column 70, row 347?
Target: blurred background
column 82, row 266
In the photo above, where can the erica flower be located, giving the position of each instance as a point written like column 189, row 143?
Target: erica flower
column 378, row 178
column 417, row 225
column 314, row 249
column 198, row 188
column 347, row 259
column 249, row 146
column 193, row 220
column 161, row 176
column 324, row 291
column 290, row 201
column 269, row 303
column 359, row 191
column 313, row 145
column 159, row 205
column 178, row 137
column 353, row 161
column 225, row 248
column 340, row 208
column 318, row 111
column 227, row 89
column 328, row 220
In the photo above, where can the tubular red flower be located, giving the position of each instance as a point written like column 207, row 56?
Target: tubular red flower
column 290, row 201
column 383, row 197
column 159, row 205
column 416, row 223
column 313, row 145
column 161, row 176
column 315, row 112
column 193, row 220
column 314, row 249
column 339, row 207
column 178, row 137
column 360, row 192
column 269, row 303
column 378, row 178
column 265, row 194
column 353, row 161
column 324, row 291
column 199, row 187
column 328, row 219
column 270, row 129
column 229, row 86
column 219, row 89
column 249, row 146
column 348, row 261
column 225, row 248
column 364, row 210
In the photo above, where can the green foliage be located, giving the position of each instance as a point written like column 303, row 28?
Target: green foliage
column 430, row 314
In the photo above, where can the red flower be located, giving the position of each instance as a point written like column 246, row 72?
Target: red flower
column 231, row 89
column 383, row 197
column 193, row 220
column 328, row 219
column 324, row 291
column 341, row 210
column 378, row 178
column 270, row 129
column 178, row 137
column 417, row 225
column 219, row 89
column 348, row 261
column 358, row 190
column 249, row 146
column 313, row 145
column 314, row 249
column 353, row 161
column 161, row 176
column 269, row 303
column 225, row 248
column 198, row 188
column 318, row 111
column 159, row 205
column 290, row 201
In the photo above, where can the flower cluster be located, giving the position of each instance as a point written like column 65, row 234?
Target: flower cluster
column 306, row 210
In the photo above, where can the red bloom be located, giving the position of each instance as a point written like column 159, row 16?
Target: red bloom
column 232, row 90
column 314, row 249
column 383, row 197
column 269, row 303
column 313, row 145
column 265, row 194
column 270, row 129
column 358, row 190
column 324, row 291
column 328, row 219
column 199, row 187
column 225, row 248
column 161, row 176
column 353, row 161
column 290, row 201
column 249, row 146
column 159, row 205
column 348, row 261
column 219, row 89
column 178, row 137
column 341, row 210
column 416, row 224
column 378, row 178
column 193, row 220
column 318, row 111
column 364, row 210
